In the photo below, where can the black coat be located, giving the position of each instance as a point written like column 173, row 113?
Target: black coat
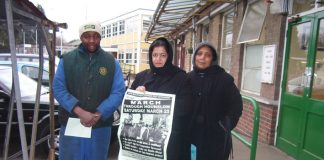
column 217, row 108
column 174, row 81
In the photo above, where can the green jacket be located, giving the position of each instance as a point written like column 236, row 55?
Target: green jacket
column 89, row 79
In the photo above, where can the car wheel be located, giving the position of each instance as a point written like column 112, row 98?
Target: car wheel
column 45, row 133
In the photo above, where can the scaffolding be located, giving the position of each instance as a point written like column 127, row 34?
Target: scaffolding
column 20, row 14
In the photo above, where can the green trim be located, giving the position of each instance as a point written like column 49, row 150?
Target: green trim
column 256, row 123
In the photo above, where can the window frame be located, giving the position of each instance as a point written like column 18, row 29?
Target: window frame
column 103, row 32
column 243, row 26
column 115, row 29
column 121, row 57
column 128, row 57
column 244, row 70
column 109, row 34
column 231, row 11
column 121, row 27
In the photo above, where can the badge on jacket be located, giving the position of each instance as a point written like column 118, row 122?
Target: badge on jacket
column 103, row 71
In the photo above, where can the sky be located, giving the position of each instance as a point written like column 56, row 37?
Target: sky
column 76, row 12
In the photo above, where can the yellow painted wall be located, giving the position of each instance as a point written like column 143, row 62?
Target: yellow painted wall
column 127, row 42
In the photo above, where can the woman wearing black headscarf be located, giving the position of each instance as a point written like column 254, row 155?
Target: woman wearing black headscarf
column 164, row 77
column 217, row 105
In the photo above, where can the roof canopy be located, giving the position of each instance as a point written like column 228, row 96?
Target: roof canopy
column 172, row 15
column 25, row 12
column 169, row 15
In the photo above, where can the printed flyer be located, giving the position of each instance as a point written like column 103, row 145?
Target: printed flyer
column 145, row 125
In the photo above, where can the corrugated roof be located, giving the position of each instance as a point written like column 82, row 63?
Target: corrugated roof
column 174, row 15
column 23, row 9
column 169, row 15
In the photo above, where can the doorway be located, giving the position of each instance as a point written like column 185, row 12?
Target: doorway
column 300, row 131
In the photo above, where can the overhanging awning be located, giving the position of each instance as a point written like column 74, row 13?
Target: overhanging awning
column 173, row 15
column 170, row 15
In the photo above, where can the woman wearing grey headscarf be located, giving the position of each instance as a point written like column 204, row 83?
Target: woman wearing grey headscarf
column 217, row 105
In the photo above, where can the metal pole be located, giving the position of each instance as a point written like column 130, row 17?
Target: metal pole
column 61, row 43
column 51, row 155
column 256, row 121
column 193, row 41
column 16, row 79
column 24, row 41
column 37, row 102
column 36, row 40
column 9, row 120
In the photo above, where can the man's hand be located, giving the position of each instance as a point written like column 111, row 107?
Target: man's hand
column 96, row 117
column 87, row 119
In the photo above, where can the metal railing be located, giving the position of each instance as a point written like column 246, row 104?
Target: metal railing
column 127, row 68
column 256, row 119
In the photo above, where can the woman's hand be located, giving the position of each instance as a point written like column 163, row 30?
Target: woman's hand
column 141, row 88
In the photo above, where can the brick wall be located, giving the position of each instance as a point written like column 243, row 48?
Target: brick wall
column 272, row 33
column 267, row 122
column 188, row 43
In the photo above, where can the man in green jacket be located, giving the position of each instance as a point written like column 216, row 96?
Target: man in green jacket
column 89, row 86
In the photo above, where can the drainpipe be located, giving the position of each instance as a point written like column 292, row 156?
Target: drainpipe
column 193, row 41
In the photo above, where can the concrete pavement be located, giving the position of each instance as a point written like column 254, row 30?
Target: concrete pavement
column 240, row 151
column 264, row 152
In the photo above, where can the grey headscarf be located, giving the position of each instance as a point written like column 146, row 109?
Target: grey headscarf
column 214, row 53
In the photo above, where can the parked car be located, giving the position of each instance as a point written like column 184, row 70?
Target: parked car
column 28, row 64
column 27, row 58
column 28, row 96
column 30, row 69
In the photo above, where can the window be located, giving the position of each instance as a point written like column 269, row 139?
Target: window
column 32, row 72
column 253, row 21
column 252, row 69
column 121, row 57
column 205, row 30
column 135, row 57
column 128, row 57
column 103, row 32
column 227, row 41
column 144, row 56
column 146, row 25
column 131, row 25
column 108, row 31
column 303, row 5
column 121, row 27
column 115, row 29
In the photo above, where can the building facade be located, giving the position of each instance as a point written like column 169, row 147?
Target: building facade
column 124, row 35
column 273, row 49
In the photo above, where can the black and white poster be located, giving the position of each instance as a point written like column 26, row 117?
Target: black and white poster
column 145, row 125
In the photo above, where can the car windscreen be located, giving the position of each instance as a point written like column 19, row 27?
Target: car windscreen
column 27, row 86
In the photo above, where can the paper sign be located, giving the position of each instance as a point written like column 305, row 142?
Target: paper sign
column 268, row 63
column 76, row 129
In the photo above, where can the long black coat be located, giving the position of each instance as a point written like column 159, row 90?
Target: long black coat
column 217, row 108
column 174, row 81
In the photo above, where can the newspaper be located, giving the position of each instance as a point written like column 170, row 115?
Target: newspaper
column 145, row 125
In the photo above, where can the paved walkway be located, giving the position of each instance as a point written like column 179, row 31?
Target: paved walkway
column 264, row 152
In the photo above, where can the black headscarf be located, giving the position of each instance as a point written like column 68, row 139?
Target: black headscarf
column 214, row 54
column 161, row 42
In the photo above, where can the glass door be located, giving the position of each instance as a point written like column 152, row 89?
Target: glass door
column 301, row 119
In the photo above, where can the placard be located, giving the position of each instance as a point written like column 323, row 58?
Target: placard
column 145, row 125
column 268, row 61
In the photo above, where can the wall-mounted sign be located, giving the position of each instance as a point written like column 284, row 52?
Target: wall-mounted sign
column 268, row 61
